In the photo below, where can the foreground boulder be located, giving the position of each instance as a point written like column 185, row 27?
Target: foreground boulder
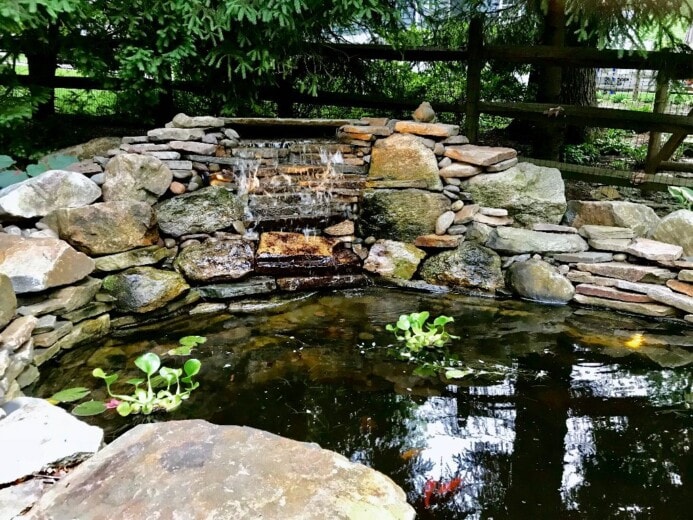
column 531, row 194
column 144, row 289
column 676, row 228
column 470, row 267
column 539, row 281
column 49, row 191
column 37, row 264
column 199, row 470
column 132, row 176
column 106, row 228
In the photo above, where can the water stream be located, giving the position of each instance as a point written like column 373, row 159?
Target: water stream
column 591, row 420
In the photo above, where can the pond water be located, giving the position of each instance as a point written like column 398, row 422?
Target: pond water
column 590, row 419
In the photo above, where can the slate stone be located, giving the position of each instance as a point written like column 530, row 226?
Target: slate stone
column 502, row 165
column 8, row 301
column 193, row 147
column 611, row 293
column 681, row 287
column 553, row 228
column 643, row 309
column 134, row 258
column 459, row 171
column 83, row 333
column 312, row 283
column 676, row 228
column 605, row 232
column 686, row 275
column 668, row 297
column 449, row 241
column 65, row 299
column 640, row 218
column 184, row 121
column 615, row 245
column 248, row 287
column 588, row 257
column 426, row 129
column 515, row 241
column 175, row 134
column 479, row 155
column 654, row 250
column 629, row 272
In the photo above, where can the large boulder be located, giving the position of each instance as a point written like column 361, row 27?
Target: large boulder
column 136, row 177
column 393, row 259
column 640, row 218
column 470, row 267
column 401, row 215
column 516, row 241
column 403, row 161
column 98, row 146
column 531, row 194
column 37, row 264
column 213, row 261
column 144, row 289
column 242, row 473
column 676, row 228
column 35, row 434
column 38, row 196
column 540, row 281
column 203, row 211
column 107, row 227
column 8, row 301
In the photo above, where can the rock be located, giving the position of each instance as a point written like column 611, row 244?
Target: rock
column 204, row 211
column 344, row 228
column 457, row 205
column 466, row 214
column 185, row 121
column 248, row 287
column 91, row 148
column 247, row 473
column 515, row 241
column 478, row 232
column 553, row 228
column 459, row 171
column 220, row 261
column 686, row 275
column 45, row 323
column 479, row 155
column 440, row 241
column 38, row 196
column 653, row 250
column 444, row 222
column 176, row 134
column 90, row 310
column 426, row 129
column 134, row 258
column 85, row 332
column 676, row 228
column 424, row 113
column 177, row 188
column 605, row 232
column 493, row 212
column 456, row 229
column 107, row 227
column 20, row 497
column 470, row 267
column 616, row 245
column 8, row 301
column 393, row 259
column 65, row 299
column 539, row 281
column 629, row 272
column 492, row 221
column 531, row 194
column 135, row 177
column 374, row 130
column 588, row 257
column 401, row 215
column 144, row 289
column 638, row 217
column 62, row 328
column 611, row 293
column 37, row 264
column 17, row 333
column 48, row 434
column 668, row 297
column 311, row 283
column 644, row 309
column 403, row 161
column 193, row 147
column 502, row 166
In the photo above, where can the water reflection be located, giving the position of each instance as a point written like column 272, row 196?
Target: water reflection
column 582, row 427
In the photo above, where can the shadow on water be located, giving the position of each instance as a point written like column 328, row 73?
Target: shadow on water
column 593, row 420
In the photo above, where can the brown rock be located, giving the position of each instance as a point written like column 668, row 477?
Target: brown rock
column 344, row 228
column 17, row 333
column 426, row 129
column 380, row 131
column 681, row 287
column 479, row 155
column 605, row 232
column 403, row 161
column 654, row 250
column 439, row 241
column 668, row 297
column 177, row 188
column 629, row 272
column 466, row 214
column 459, row 171
column 615, row 245
column 612, row 294
column 424, row 113
column 645, row 309
column 492, row 221
column 501, row 166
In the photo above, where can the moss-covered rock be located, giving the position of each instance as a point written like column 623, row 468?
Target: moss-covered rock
column 393, row 259
column 403, row 161
column 540, row 281
column 470, row 267
column 144, row 289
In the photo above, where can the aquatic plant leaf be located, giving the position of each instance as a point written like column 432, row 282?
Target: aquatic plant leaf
column 35, row 169
column 183, row 350
column 192, row 367
column 456, row 373
column 70, row 395
column 60, row 162
column 148, row 363
column 135, row 381
column 10, row 177
column 5, row 162
column 441, row 321
column 192, row 341
column 124, row 409
column 110, row 379
column 89, row 408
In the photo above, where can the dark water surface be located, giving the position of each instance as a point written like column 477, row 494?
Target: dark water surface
column 592, row 420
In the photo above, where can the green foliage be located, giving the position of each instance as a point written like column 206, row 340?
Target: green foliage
column 605, row 144
column 69, row 395
column 88, row 408
column 683, row 196
column 417, row 333
column 53, row 162
column 187, row 343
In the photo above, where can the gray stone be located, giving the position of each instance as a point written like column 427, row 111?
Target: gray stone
column 175, row 134
column 65, row 299
column 611, row 293
column 107, row 227
column 28, row 376
column 90, row 310
column 653, row 250
column 48, row 434
column 144, row 289
column 83, row 333
column 178, row 165
column 184, row 121
column 629, row 272
column 167, row 157
column 686, row 275
column 676, row 228
column 615, row 245
column 37, row 264
column 134, row 258
column 531, row 194
column 41, row 355
column 470, row 267
column 644, row 309
column 393, row 259
column 517, row 241
column 20, row 497
column 605, row 232
column 401, row 215
column 539, row 281
column 457, row 229
column 493, row 212
column 208, row 308
column 588, row 257
column 478, row 232
column 193, row 147
column 8, row 301
column 638, row 217
column 206, row 210
column 17, row 333
column 403, row 161
column 247, row 473
column 135, row 177
column 46, row 339
column 492, row 221
column 459, row 171
column 45, row 323
column 217, row 261
column 466, row 214
column 248, row 287
column 553, row 228
column 502, row 166
column 444, row 222
column 455, row 139
column 479, row 155
column 38, row 196
column 671, row 298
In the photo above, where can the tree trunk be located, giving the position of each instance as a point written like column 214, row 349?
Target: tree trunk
column 579, row 87
column 43, row 62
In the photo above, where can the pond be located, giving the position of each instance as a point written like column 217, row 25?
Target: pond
column 590, row 417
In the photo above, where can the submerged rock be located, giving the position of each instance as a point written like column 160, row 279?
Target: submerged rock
column 242, row 473
column 144, row 289
column 220, row 261
column 469, row 267
column 539, row 281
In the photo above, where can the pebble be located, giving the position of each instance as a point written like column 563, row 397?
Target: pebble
column 453, row 188
column 177, row 188
column 169, row 243
column 457, row 205
column 369, row 241
column 620, row 257
column 446, row 161
column 188, row 243
column 451, row 195
column 444, row 222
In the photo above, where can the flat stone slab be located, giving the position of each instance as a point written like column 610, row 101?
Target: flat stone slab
column 654, row 250
column 459, row 171
column 553, row 228
column 479, row 155
column 686, row 275
column 668, row 297
column 249, row 287
column 629, row 272
column 612, row 294
column 601, row 232
column 439, row 241
column 426, row 129
column 35, row 434
column 228, row 472
column 681, row 287
column 587, row 257
column 517, row 241
column 309, row 283
column 502, row 166
column 615, row 245
column 644, row 309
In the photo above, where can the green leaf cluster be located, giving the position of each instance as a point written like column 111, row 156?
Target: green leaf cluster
column 417, row 333
column 683, row 196
column 12, row 176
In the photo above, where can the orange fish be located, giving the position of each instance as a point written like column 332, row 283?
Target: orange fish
column 410, row 454
column 440, row 490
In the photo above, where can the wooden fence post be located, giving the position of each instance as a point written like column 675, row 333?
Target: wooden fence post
column 660, row 104
column 475, row 62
